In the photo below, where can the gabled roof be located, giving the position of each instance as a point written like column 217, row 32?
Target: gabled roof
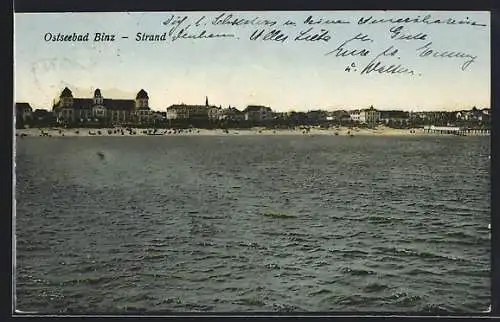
column 232, row 110
column 22, row 106
column 66, row 93
column 142, row 94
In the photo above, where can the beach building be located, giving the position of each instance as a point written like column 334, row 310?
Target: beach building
column 141, row 113
column 215, row 113
column 369, row 116
column 355, row 115
column 297, row 118
column 474, row 114
column 23, row 112
column 394, row 117
column 187, row 112
column 340, row 116
column 41, row 114
column 195, row 112
column 70, row 110
column 232, row 114
column 280, row 115
column 258, row 113
column 316, row 116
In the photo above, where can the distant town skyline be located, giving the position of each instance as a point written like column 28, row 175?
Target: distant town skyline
column 292, row 76
column 123, row 95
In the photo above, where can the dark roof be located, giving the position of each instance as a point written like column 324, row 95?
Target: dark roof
column 40, row 112
column 321, row 112
column 184, row 105
column 83, row 103
column 97, row 93
column 255, row 108
column 119, row 104
column 112, row 104
column 232, row 111
column 142, row 94
column 395, row 114
column 22, row 106
column 66, row 93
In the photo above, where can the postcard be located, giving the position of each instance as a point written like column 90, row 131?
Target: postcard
column 257, row 161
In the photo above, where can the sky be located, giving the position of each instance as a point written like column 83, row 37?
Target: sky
column 236, row 71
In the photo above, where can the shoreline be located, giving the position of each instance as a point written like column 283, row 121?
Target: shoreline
column 109, row 132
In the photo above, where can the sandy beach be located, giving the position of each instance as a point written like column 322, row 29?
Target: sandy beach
column 341, row 131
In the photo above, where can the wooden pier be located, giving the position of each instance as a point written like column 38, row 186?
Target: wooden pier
column 455, row 130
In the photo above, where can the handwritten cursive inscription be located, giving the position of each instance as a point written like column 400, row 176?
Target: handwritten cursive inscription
column 376, row 65
column 383, row 44
column 400, row 33
column 342, row 51
column 427, row 19
column 323, row 21
column 311, row 35
column 230, row 19
column 428, row 51
column 271, row 35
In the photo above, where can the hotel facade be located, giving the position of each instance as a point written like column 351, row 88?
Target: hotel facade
column 71, row 110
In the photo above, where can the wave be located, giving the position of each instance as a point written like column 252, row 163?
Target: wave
column 409, row 300
column 474, row 272
column 320, row 264
column 272, row 266
column 375, row 287
column 94, row 280
column 436, row 309
column 279, row 307
column 419, row 254
column 357, row 272
column 278, row 215
column 383, row 220
column 155, row 255
column 349, row 252
column 420, row 271
column 468, row 238
column 251, row 301
column 356, row 300
column 320, row 292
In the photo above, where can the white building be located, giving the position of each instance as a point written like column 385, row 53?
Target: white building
column 355, row 115
column 369, row 116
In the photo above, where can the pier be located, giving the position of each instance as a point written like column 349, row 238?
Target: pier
column 455, row 130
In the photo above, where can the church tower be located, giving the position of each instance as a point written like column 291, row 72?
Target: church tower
column 206, row 101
